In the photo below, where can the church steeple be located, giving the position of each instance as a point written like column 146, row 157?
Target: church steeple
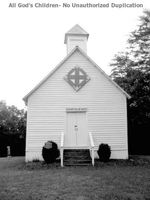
column 76, row 36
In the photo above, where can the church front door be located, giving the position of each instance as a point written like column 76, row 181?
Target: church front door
column 76, row 130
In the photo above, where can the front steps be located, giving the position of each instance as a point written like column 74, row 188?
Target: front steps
column 77, row 157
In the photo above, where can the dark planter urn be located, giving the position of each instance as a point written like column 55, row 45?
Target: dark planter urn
column 50, row 152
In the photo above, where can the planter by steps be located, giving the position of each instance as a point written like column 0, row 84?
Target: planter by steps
column 50, row 152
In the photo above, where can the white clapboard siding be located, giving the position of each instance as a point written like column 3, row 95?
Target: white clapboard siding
column 106, row 109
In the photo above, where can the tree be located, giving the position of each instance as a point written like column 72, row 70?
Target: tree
column 12, row 128
column 139, row 42
column 131, row 70
column 12, row 120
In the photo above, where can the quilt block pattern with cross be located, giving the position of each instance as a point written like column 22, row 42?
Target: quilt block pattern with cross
column 77, row 78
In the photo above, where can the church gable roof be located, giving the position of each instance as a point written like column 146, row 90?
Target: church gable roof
column 64, row 60
column 76, row 30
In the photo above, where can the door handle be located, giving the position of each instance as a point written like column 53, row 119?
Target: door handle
column 76, row 127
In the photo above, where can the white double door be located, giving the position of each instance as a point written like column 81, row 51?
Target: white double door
column 76, row 130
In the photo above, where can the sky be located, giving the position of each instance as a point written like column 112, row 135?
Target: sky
column 32, row 39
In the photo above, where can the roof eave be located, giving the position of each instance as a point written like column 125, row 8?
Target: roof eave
column 25, row 98
column 115, row 84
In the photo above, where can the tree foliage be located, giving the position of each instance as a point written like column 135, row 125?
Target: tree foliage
column 139, row 42
column 131, row 70
column 137, row 54
column 12, row 120
column 12, row 129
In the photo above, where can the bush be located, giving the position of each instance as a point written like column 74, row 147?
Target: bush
column 104, row 152
column 50, row 152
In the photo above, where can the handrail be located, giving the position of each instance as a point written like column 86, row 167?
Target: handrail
column 92, row 146
column 91, row 139
column 62, row 139
column 62, row 148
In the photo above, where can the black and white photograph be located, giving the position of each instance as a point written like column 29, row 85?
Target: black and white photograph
column 74, row 100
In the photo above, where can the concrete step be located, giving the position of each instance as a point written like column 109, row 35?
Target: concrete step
column 76, row 152
column 78, row 157
column 77, row 164
column 78, row 161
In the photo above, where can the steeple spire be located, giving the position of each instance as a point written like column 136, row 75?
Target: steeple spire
column 76, row 36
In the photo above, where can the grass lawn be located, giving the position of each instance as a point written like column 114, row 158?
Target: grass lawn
column 117, row 180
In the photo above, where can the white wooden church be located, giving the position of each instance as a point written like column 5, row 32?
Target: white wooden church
column 77, row 106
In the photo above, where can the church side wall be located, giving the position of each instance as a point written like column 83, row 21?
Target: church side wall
column 106, row 110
